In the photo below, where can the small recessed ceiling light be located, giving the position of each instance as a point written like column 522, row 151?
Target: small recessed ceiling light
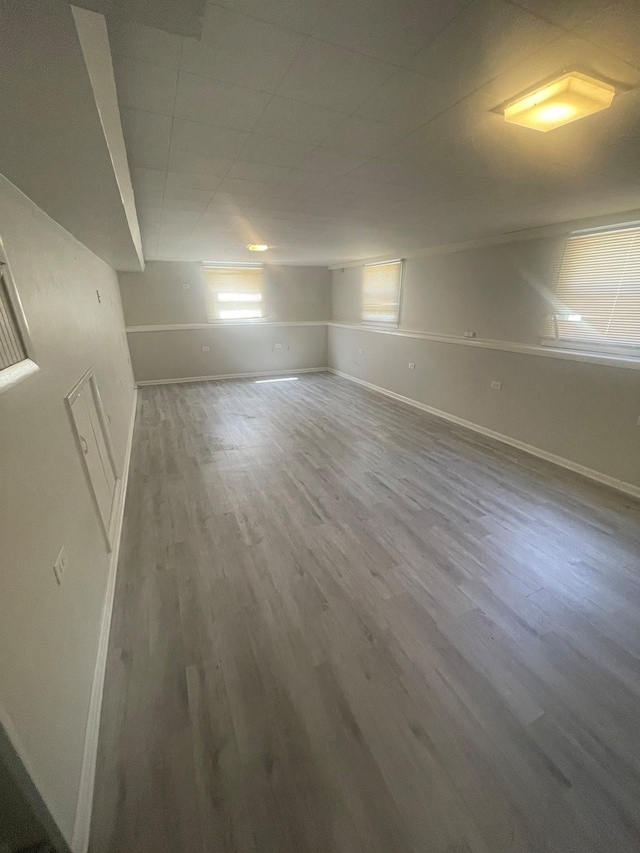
column 257, row 247
column 565, row 99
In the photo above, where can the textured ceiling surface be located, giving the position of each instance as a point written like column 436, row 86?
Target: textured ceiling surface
column 345, row 129
column 182, row 17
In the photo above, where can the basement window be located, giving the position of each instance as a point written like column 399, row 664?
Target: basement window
column 381, row 286
column 15, row 364
column 234, row 293
column 597, row 293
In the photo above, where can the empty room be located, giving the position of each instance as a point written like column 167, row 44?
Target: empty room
column 320, row 426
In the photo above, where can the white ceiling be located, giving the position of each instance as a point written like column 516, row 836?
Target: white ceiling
column 344, row 129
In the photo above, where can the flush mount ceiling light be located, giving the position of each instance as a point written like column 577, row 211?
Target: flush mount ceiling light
column 257, row 247
column 565, row 99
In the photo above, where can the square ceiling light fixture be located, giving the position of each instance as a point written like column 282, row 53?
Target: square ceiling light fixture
column 563, row 100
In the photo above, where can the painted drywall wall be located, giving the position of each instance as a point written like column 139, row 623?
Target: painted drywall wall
column 173, row 293
column 496, row 291
column 49, row 633
column 583, row 412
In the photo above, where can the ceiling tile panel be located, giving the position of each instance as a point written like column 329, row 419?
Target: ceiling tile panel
column 616, row 27
column 257, row 171
column 333, row 77
column 145, row 86
column 146, row 44
column 567, row 13
column 207, row 139
column 147, row 137
column 299, row 15
column 198, row 164
column 487, row 38
column 211, row 102
column 409, row 99
column 289, row 119
column 239, row 49
column 392, row 30
column 274, row 152
column 331, row 162
column 362, row 136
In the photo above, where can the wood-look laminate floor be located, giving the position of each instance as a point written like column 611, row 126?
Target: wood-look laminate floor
column 343, row 625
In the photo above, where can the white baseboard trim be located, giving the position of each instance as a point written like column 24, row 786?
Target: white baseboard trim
column 82, row 825
column 619, row 485
column 141, row 383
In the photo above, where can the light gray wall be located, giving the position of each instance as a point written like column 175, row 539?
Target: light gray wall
column 233, row 350
column 49, row 633
column 157, row 297
column 496, row 291
column 583, row 412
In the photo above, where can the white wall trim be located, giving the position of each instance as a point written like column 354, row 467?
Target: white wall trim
column 224, row 324
column 619, row 485
column 545, row 351
column 293, row 370
column 609, row 359
column 82, row 826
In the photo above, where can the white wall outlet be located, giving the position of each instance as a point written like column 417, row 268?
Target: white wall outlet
column 277, row 346
column 469, row 334
column 60, row 565
column 205, row 349
column 497, row 386
column 186, row 285
column 412, row 365
column 360, row 352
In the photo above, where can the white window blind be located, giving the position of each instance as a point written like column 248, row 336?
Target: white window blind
column 598, row 290
column 234, row 293
column 12, row 350
column 381, row 292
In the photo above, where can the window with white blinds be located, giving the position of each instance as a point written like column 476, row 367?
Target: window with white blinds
column 597, row 295
column 12, row 349
column 234, row 293
column 381, row 292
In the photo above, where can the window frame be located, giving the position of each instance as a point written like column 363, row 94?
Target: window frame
column 383, row 324
column 15, row 373
column 226, row 321
column 630, row 352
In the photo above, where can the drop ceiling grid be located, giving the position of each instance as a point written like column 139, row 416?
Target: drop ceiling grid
column 292, row 161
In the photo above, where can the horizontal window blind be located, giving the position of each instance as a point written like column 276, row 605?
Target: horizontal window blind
column 234, row 293
column 12, row 348
column 381, row 292
column 598, row 289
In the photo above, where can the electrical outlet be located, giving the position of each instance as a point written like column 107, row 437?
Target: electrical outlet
column 60, row 565
column 412, row 365
column 469, row 334
column 186, row 285
column 497, row 386
column 360, row 352
column 277, row 346
column 205, row 349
